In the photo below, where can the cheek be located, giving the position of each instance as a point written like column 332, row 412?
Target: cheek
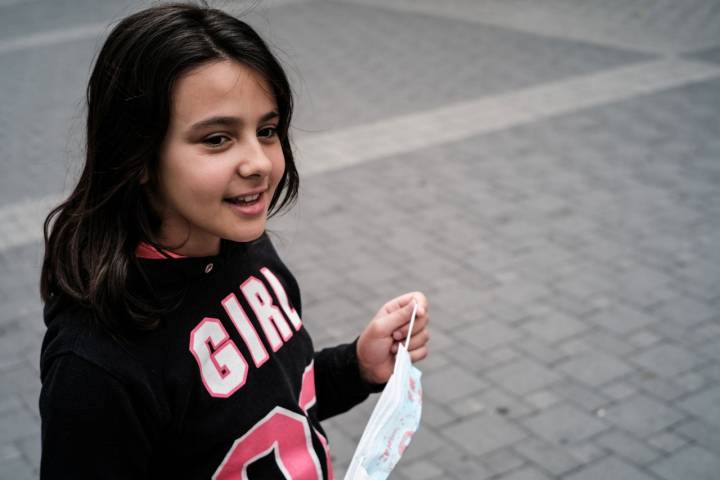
column 189, row 179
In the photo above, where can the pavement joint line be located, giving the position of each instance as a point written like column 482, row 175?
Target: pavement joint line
column 21, row 223
column 91, row 30
column 54, row 37
column 407, row 133
column 537, row 21
column 12, row 3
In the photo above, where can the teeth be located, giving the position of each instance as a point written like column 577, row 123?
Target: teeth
column 247, row 198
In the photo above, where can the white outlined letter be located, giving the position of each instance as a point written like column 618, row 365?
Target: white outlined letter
column 246, row 329
column 282, row 297
column 222, row 367
column 270, row 317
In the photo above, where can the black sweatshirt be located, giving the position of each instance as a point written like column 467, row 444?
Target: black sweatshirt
column 229, row 382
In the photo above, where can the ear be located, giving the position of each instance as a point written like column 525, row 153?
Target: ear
column 144, row 178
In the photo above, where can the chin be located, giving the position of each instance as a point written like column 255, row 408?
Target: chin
column 248, row 235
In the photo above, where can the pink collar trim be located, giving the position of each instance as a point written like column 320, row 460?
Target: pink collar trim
column 145, row 250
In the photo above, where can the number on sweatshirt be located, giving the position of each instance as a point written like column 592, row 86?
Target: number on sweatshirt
column 285, row 434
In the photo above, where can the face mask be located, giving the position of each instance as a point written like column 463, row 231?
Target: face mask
column 393, row 422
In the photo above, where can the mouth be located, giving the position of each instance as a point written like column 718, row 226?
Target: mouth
column 244, row 199
column 251, row 204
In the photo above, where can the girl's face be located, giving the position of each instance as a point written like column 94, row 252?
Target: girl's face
column 221, row 145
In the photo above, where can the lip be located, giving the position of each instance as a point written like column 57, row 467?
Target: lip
column 251, row 192
column 253, row 210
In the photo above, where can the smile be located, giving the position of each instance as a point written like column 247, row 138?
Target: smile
column 247, row 205
column 244, row 199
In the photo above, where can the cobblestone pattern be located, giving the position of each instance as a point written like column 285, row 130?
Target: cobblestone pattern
column 571, row 263
column 660, row 26
column 380, row 66
column 573, row 275
column 41, row 118
column 20, row 221
column 40, row 16
column 407, row 133
column 377, row 67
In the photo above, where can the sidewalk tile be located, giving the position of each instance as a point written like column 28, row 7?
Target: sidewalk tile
column 483, row 434
column 692, row 462
column 563, row 424
column 642, row 416
column 607, row 468
column 704, row 405
column 522, row 376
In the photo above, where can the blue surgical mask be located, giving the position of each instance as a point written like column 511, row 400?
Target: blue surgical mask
column 393, row 422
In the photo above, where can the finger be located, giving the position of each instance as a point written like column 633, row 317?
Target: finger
column 421, row 323
column 396, row 303
column 419, row 340
column 419, row 354
column 416, row 341
column 422, row 302
column 405, row 299
column 395, row 320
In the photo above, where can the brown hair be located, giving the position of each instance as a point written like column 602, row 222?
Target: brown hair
column 90, row 238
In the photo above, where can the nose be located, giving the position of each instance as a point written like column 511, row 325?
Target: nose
column 254, row 161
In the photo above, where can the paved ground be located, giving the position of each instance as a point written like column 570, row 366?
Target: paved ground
column 547, row 171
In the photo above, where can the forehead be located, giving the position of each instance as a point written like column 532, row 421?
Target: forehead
column 221, row 88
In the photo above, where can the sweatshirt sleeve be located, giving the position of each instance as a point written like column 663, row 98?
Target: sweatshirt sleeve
column 338, row 384
column 90, row 427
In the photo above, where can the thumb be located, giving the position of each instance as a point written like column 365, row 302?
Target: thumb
column 396, row 319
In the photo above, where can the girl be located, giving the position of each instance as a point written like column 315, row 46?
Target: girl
column 175, row 345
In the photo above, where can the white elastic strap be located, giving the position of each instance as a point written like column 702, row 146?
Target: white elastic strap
column 412, row 322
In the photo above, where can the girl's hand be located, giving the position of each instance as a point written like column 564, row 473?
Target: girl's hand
column 378, row 344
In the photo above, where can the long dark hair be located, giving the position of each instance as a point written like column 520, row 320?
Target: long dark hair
column 90, row 239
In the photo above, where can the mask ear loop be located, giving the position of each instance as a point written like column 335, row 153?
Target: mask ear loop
column 412, row 322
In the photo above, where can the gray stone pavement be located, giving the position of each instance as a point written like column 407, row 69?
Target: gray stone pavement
column 569, row 250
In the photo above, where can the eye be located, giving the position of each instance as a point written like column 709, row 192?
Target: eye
column 215, row 141
column 267, row 132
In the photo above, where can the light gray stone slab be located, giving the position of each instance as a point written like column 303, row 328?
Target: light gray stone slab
column 450, row 384
column 548, row 456
column 692, row 462
column 642, row 416
column 628, row 447
column 16, row 425
column 502, row 461
column 490, row 334
column 563, row 424
column 18, row 468
column 688, row 311
column 522, row 376
column 611, row 467
column 704, row 405
column 527, row 473
column 666, row 360
column 554, row 326
column 421, row 470
column 667, row 442
column 622, row 319
column 483, row 434
column 583, row 397
column 701, row 433
column 618, row 391
column 595, row 368
column 541, row 399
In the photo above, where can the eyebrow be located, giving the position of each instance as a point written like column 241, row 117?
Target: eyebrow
column 228, row 121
